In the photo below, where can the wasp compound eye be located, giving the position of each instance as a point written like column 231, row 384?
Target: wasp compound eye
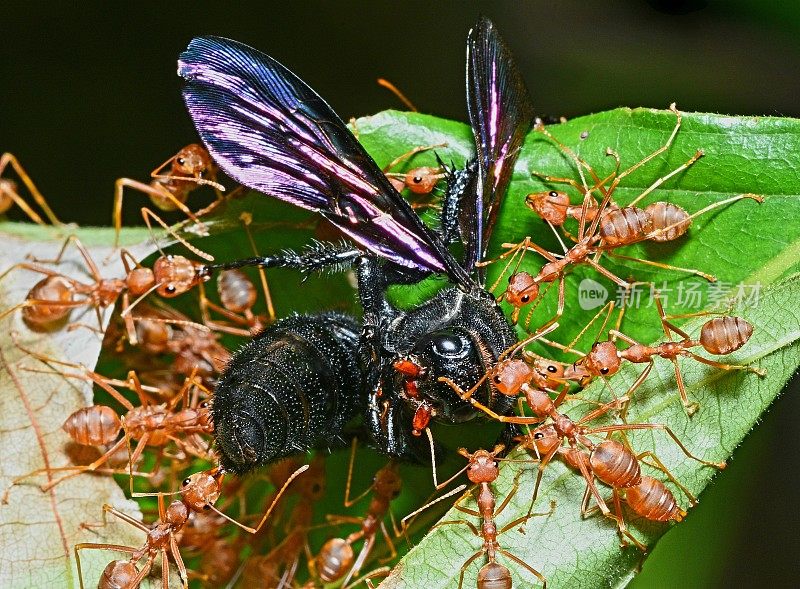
column 449, row 345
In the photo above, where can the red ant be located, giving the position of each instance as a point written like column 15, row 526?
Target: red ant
column 512, row 377
column 279, row 566
column 336, row 559
column 189, row 169
column 613, row 463
column 238, row 296
column 10, row 197
column 482, row 470
column 52, row 299
column 150, row 424
column 718, row 336
column 199, row 492
column 668, row 221
column 220, row 554
column 169, row 344
column 608, row 230
column 421, row 180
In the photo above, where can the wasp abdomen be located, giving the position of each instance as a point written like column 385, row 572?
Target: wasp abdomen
column 292, row 387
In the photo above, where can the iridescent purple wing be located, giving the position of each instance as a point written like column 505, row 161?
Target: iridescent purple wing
column 501, row 114
column 268, row 130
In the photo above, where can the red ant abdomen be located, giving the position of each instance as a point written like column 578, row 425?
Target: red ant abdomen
column 666, row 214
column 623, row 226
column 723, row 335
column 494, row 575
column 334, row 560
column 93, row 426
column 55, row 289
column 615, row 465
column 236, row 292
column 118, row 574
column 653, row 500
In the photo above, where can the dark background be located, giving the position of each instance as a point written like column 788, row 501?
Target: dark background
column 90, row 94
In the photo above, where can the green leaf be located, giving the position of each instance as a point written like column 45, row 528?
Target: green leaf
column 575, row 552
column 746, row 245
column 743, row 243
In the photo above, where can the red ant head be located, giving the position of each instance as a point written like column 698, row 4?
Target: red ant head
column 193, row 160
column 140, row 280
column 177, row 513
column 52, row 288
column 422, row 180
column 545, row 439
column 201, row 489
column 521, row 289
column 549, row 373
column 119, row 573
column 311, row 485
column 482, row 465
column 603, row 359
column 508, row 376
column 204, row 416
column 550, row 205
column 387, row 482
column 176, row 275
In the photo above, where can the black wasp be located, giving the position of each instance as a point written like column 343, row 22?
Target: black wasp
column 302, row 379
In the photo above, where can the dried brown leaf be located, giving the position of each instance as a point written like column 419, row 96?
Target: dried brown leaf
column 38, row 530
